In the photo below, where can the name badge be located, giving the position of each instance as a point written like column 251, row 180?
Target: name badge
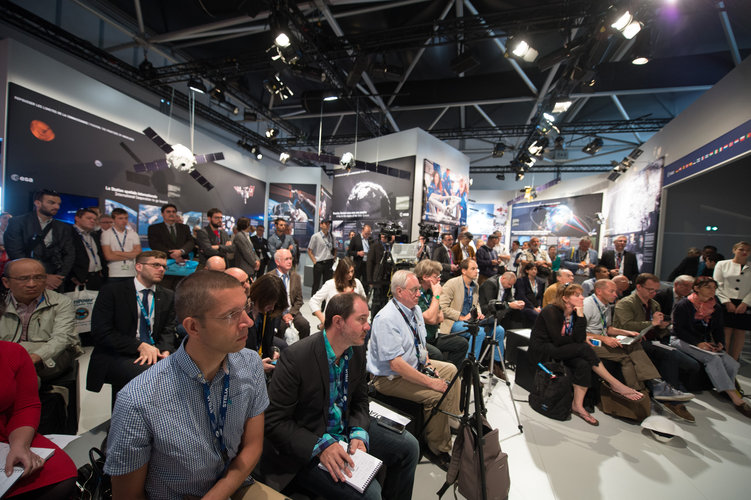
column 125, row 265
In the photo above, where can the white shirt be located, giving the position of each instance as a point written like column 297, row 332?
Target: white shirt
column 732, row 281
column 113, row 239
column 327, row 291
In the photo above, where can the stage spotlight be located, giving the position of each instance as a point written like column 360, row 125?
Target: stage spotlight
column 519, row 176
column 347, row 160
column 538, row 147
column 229, row 107
column 284, row 158
column 627, row 25
column 217, row 93
column 250, row 116
column 256, row 150
column 593, row 147
column 549, row 117
column 521, row 49
column 282, row 40
column 561, row 106
column 196, row 85
column 498, row 150
column 272, row 132
column 640, row 60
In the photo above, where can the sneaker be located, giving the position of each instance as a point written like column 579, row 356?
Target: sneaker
column 680, row 411
column 744, row 408
column 662, row 391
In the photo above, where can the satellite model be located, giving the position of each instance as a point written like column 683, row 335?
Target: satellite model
column 178, row 157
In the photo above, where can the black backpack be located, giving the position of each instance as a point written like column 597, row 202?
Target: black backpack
column 552, row 394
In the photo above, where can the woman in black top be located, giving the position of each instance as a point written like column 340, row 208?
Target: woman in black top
column 530, row 288
column 560, row 332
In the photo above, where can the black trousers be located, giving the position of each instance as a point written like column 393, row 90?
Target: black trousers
column 580, row 358
column 322, row 272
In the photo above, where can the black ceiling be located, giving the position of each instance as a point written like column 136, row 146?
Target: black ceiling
column 391, row 64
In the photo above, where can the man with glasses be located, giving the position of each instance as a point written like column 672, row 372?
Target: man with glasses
column 132, row 325
column 640, row 310
column 619, row 260
column 398, row 358
column 40, row 320
column 192, row 426
column 445, row 256
column 280, row 239
column 173, row 238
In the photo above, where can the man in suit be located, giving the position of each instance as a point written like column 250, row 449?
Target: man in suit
column 37, row 235
column 358, row 252
column 305, row 421
column 293, row 284
column 443, row 254
column 213, row 240
column 581, row 261
column 133, row 325
column 246, row 257
column 261, row 246
column 668, row 298
column 172, row 238
column 89, row 265
column 464, row 248
column 620, row 261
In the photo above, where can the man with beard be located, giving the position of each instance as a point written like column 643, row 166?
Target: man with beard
column 213, row 240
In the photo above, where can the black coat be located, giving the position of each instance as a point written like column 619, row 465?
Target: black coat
column 114, row 323
column 298, row 411
column 159, row 238
column 20, row 242
column 630, row 264
column 80, row 268
column 689, row 329
column 440, row 254
column 524, row 292
column 546, row 333
column 355, row 245
column 373, row 267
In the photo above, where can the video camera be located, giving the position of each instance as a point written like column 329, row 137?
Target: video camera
column 390, row 228
column 498, row 308
column 428, row 231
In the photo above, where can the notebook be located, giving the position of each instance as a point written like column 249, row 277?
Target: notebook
column 630, row 340
column 7, row 481
column 366, row 467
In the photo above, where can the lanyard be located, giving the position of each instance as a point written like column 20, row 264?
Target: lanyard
column 125, row 238
column 602, row 316
column 147, row 316
column 217, row 424
column 412, row 328
column 88, row 246
column 426, row 297
column 259, row 336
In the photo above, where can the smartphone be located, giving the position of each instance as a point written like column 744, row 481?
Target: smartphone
column 390, row 425
column 596, row 342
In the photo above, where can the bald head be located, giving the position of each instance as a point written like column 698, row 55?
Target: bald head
column 621, row 283
column 216, row 263
column 508, row 279
column 283, row 259
column 240, row 276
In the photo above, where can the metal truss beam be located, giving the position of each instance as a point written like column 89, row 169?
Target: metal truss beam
column 563, row 169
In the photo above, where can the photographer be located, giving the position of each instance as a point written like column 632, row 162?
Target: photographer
column 379, row 266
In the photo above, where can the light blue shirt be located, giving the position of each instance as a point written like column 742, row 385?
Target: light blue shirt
column 390, row 337
column 160, row 418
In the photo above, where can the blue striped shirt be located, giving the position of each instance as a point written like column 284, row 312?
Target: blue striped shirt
column 160, row 418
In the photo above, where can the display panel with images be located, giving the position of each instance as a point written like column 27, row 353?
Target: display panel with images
column 70, row 204
column 485, row 218
column 363, row 197
column 632, row 209
column 445, row 194
column 325, row 204
column 64, row 148
column 295, row 203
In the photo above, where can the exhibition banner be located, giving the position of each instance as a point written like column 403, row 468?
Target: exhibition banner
column 485, row 218
column 90, row 161
column 295, row 203
column 445, row 194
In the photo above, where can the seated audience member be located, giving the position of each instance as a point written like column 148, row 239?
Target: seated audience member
column 560, row 333
column 38, row 235
column 458, row 297
column 499, row 288
column 173, row 238
column 620, row 261
column 41, row 320
column 54, row 479
column 293, row 286
column 464, row 248
column 89, row 265
column 487, row 259
column 212, row 240
column 267, row 301
column 600, row 273
column 636, row 366
column 120, row 247
column 534, row 254
column 280, row 239
column 733, row 279
column 175, row 433
column 622, row 284
column 216, row 263
column 324, row 375
column 452, row 348
column 563, row 277
column 243, row 278
column 555, row 260
column 442, row 253
column 245, row 255
column 581, row 260
column 4, row 219
column 638, row 311
column 132, row 324
column 668, row 298
column 343, row 281
column 398, row 359
column 697, row 331
column 530, row 289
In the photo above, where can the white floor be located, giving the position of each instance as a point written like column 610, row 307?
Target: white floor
column 572, row 460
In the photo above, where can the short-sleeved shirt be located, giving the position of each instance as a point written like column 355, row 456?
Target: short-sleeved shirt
column 121, row 242
column 599, row 316
column 390, row 337
column 161, row 418
column 322, row 246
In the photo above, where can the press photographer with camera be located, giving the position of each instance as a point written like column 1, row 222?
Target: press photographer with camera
column 379, row 267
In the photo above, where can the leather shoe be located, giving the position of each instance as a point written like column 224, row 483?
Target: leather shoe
column 744, row 408
column 680, row 411
column 498, row 371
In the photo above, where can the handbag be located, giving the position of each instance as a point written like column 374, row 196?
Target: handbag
column 616, row 405
column 553, row 391
column 83, row 304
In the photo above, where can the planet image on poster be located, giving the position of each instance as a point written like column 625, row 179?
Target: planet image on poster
column 370, row 198
column 41, row 131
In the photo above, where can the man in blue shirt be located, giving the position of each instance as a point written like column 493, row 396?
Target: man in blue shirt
column 280, row 239
column 192, row 425
column 397, row 356
column 324, row 375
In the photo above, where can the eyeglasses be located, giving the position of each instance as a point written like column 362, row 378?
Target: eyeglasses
column 413, row 291
column 155, row 265
column 231, row 319
column 650, row 290
column 24, row 279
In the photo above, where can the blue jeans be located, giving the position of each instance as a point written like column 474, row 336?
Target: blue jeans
column 458, row 326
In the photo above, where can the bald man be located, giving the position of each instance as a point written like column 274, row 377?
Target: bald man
column 216, row 263
column 293, row 284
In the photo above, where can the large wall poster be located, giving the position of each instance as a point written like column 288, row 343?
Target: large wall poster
column 632, row 209
column 296, row 203
column 561, row 221
column 445, row 194
column 64, row 148
column 363, row 197
column 485, row 218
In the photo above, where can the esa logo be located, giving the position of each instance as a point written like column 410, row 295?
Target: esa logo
column 21, row 178
column 82, row 313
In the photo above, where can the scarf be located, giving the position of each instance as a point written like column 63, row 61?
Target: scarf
column 704, row 310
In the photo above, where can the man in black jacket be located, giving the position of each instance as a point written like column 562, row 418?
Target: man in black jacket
column 89, row 266
column 620, row 260
column 261, row 246
column 37, row 235
column 442, row 253
column 173, row 238
column 305, row 422
column 133, row 325
column 213, row 240
column 358, row 250
column 379, row 272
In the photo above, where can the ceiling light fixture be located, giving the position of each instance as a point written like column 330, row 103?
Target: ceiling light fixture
column 593, row 147
column 272, row 132
column 196, row 85
column 284, row 158
column 499, row 149
column 561, row 106
column 538, row 147
column 627, row 25
column 282, row 40
column 521, row 49
column 640, row 60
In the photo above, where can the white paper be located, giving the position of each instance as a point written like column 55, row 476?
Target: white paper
column 7, row 481
column 62, row 440
column 364, row 471
column 378, row 410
